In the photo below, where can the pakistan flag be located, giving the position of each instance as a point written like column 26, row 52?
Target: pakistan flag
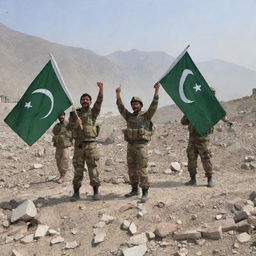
column 44, row 100
column 189, row 90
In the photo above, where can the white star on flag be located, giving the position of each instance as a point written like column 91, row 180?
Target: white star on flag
column 197, row 87
column 28, row 105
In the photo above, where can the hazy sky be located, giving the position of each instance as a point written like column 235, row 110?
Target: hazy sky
column 215, row 29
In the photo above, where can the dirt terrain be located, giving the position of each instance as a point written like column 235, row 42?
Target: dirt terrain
column 194, row 208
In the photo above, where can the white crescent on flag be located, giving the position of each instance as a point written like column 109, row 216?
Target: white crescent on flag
column 184, row 75
column 49, row 94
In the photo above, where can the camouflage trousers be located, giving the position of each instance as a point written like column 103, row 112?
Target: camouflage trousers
column 86, row 152
column 137, row 160
column 62, row 160
column 199, row 146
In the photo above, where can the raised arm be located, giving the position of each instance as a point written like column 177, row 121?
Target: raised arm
column 123, row 111
column 153, row 106
column 97, row 105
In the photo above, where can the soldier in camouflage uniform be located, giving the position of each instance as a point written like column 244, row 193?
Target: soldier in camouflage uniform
column 85, row 131
column 198, row 145
column 62, row 140
column 138, row 134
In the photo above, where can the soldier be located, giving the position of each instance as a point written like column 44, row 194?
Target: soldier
column 199, row 145
column 138, row 134
column 85, row 131
column 62, row 140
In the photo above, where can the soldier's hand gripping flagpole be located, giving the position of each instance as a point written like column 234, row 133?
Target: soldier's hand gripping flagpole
column 56, row 68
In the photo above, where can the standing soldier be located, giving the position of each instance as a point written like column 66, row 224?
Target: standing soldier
column 85, row 131
column 138, row 134
column 62, row 140
column 199, row 145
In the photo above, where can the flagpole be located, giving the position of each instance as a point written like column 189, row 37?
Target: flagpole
column 60, row 78
column 174, row 62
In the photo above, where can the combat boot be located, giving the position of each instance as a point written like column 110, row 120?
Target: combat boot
column 134, row 191
column 210, row 182
column 192, row 181
column 144, row 197
column 75, row 196
column 96, row 194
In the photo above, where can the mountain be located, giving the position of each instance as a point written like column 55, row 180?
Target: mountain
column 23, row 56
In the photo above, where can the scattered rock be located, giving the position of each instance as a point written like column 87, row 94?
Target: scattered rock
column 214, row 233
column 37, row 166
column 24, row 211
column 99, row 235
column 243, row 237
column 16, row 253
column 109, row 162
column 100, row 224
column 57, row 240
column 242, row 215
column 125, row 225
column 175, row 166
column 187, row 234
column 138, row 239
column 132, row 229
column 71, row 245
column 107, row 218
column 27, row 239
column 165, row 228
column 41, row 231
column 139, row 250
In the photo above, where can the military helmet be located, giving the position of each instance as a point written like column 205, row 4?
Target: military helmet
column 137, row 99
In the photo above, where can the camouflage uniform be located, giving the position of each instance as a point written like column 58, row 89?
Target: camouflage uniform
column 138, row 133
column 198, row 145
column 85, row 145
column 62, row 140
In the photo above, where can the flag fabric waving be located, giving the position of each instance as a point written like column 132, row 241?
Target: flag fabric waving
column 191, row 93
column 44, row 100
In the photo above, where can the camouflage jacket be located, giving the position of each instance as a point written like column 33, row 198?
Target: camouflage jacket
column 139, row 125
column 89, row 131
column 192, row 131
column 62, row 137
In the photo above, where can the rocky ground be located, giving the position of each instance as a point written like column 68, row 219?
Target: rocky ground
column 176, row 220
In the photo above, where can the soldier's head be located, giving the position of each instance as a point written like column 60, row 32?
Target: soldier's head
column 61, row 117
column 136, row 104
column 85, row 100
column 213, row 90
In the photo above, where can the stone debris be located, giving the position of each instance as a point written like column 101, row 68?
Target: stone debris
column 150, row 235
column 37, row 166
column 175, row 166
column 187, row 234
column 99, row 235
column 125, row 224
column 132, row 229
column 244, row 226
column 24, row 211
column 57, row 240
column 139, row 250
column 41, row 231
column 71, row 245
column 243, row 237
column 214, row 233
column 16, row 253
column 107, row 218
column 9, row 239
column 53, row 232
column 182, row 252
column 138, row 239
column 27, row 239
column 218, row 217
column 228, row 224
column 241, row 215
column 165, row 228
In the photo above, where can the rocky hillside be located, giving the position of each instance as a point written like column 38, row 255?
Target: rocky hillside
column 176, row 220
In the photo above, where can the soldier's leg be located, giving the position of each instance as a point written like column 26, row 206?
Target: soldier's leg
column 192, row 155
column 92, row 161
column 205, row 155
column 78, row 163
column 58, row 154
column 142, row 154
column 132, row 169
column 64, row 164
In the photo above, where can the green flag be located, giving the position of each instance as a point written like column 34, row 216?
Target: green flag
column 189, row 90
column 44, row 100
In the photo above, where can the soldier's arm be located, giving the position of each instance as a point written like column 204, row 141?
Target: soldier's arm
column 55, row 129
column 153, row 106
column 184, row 120
column 97, row 105
column 72, row 121
column 123, row 111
